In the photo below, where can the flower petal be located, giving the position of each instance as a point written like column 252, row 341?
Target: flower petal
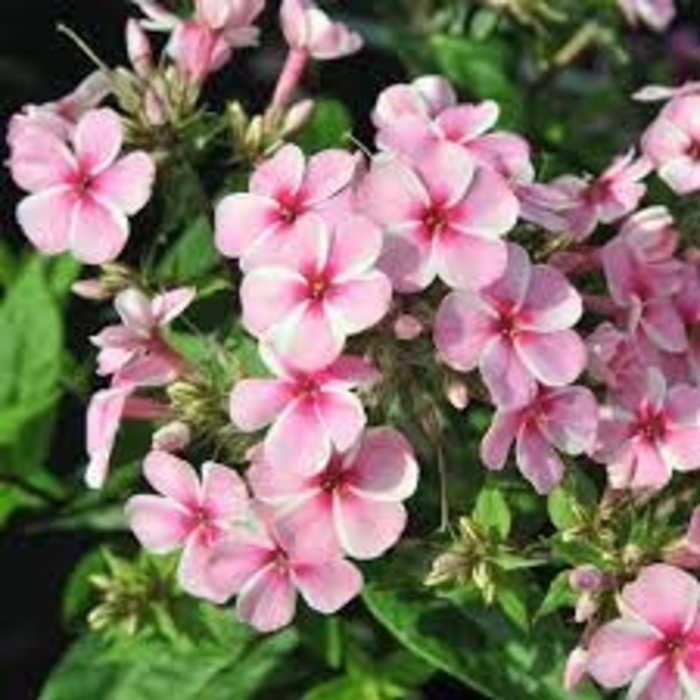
column 555, row 359
column 240, row 219
column 127, row 183
column 362, row 302
column 173, row 477
column 98, row 232
column 537, row 461
column 255, row 403
column 467, row 261
column 158, row 524
column 224, row 493
column 552, row 303
column 267, row 602
column 328, row 586
column 46, row 217
column 343, row 416
column 281, row 176
column 98, row 139
column 327, row 173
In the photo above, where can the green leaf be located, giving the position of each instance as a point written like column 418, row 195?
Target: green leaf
column 328, row 127
column 344, row 688
column 559, row 595
column 147, row 668
column 482, row 69
column 492, row 513
column 192, row 255
column 475, row 645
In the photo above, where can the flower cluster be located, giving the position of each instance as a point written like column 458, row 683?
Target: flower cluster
column 567, row 310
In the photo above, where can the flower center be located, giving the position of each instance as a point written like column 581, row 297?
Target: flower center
column 317, row 286
column 507, row 326
column 651, row 425
column 332, row 478
column 693, row 150
column 289, row 208
column 435, row 220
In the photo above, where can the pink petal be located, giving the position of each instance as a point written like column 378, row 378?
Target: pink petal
column 349, row 371
column 362, row 302
column 507, row 379
column 173, row 477
column 466, row 121
column 681, row 448
column 537, row 461
column 158, row 524
column 327, row 173
column 169, row 305
column 255, row 403
column 357, row 244
column 281, row 486
column 298, row 441
column 464, row 325
column 681, row 174
column 664, row 597
column 280, row 176
column 224, row 493
column 497, row 441
column 127, row 183
column 552, row 303
column 447, row 172
column 384, row 468
column 367, row 528
column 471, row 262
column 343, row 416
column 650, row 468
column 134, row 309
column 555, row 359
column 240, row 219
column 510, row 290
column 310, row 340
column 99, row 233
column 570, row 421
column 489, row 209
column 328, row 586
column 659, row 679
column 409, row 259
column 41, row 160
column 663, row 325
column 620, row 650
column 98, row 140
column 268, row 295
column 192, row 572
column 267, row 602
column 46, row 218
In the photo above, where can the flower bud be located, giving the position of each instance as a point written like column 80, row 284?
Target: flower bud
column 172, row 437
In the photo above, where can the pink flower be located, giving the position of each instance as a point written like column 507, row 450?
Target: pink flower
column 259, row 226
column 327, row 290
column 686, row 551
column 357, row 496
column 189, row 515
column 137, row 343
column 565, row 418
column 443, row 218
column 80, row 198
column 307, row 28
column 656, row 14
column 267, row 564
column 648, row 432
column 655, row 643
column 672, row 143
column 517, row 331
column 107, row 409
column 311, row 413
column 612, row 195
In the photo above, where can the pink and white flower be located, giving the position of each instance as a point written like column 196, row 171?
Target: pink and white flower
column 188, row 515
column 327, row 289
column 80, row 197
column 259, row 226
column 312, row 413
column 266, row 564
column 357, row 496
column 565, row 418
column 443, row 216
column 672, row 143
column 517, row 331
column 655, row 14
column 654, row 646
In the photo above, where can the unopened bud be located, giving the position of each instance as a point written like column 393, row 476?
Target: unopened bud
column 457, row 393
column 407, row 327
column 586, row 578
column 295, row 117
column 172, row 437
column 138, row 48
column 92, row 290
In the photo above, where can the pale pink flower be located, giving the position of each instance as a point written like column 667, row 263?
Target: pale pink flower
column 266, row 564
column 327, row 290
column 546, row 205
column 443, row 218
column 357, row 496
column 608, row 198
column 107, row 409
column 655, row 644
column 655, row 14
column 575, row 668
column 309, row 29
column 672, row 143
column 517, row 331
column 565, row 419
column 189, row 515
column 616, row 358
column 648, row 432
column 137, row 344
column 311, row 412
column 259, row 226
column 685, row 552
column 81, row 197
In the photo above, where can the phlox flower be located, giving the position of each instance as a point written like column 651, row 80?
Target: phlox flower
column 80, row 197
column 136, row 344
column 357, row 496
column 655, row 14
column 311, row 413
column 266, row 564
column 443, row 217
column 672, row 143
column 517, row 331
column 309, row 29
column 649, row 431
column 564, row 418
column 189, row 514
column 326, row 290
column 258, row 226
column 654, row 646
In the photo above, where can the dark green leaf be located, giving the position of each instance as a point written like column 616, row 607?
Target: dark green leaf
column 328, row 127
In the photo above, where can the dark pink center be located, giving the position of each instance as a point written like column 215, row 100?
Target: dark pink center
column 435, row 220
column 507, row 325
column 693, row 151
column 651, row 425
column 332, row 479
column 317, row 286
column 289, row 208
